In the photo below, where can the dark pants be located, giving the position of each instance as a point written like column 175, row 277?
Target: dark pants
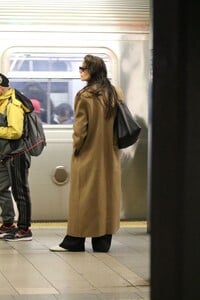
column 72, row 243
column 99, row 244
column 18, row 169
column 102, row 243
column 6, row 202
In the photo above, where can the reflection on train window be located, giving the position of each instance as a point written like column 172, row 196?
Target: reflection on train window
column 40, row 62
column 52, row 79
column 51, row 93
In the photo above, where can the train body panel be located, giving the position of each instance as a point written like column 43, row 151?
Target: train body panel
column 47, row 55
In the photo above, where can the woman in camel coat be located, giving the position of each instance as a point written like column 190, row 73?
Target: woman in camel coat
column 95, row 191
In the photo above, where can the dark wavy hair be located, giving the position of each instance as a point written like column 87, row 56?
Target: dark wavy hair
column 103, row 87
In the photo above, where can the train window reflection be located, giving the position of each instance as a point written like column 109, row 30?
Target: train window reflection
column 52, row 79
column 51, row 93
column 40, row 62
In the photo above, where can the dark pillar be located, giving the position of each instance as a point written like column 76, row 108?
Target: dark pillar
column 175, row 151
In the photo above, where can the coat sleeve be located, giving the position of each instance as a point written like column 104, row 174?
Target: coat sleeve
column 80, row 123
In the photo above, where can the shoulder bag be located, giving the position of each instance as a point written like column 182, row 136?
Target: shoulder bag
column 127, row 128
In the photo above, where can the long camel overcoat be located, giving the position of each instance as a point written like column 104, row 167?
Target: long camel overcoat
column 95, row 191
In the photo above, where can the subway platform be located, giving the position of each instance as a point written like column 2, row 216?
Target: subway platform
column 29, row 271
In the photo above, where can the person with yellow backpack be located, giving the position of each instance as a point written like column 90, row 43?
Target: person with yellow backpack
column 14, row 164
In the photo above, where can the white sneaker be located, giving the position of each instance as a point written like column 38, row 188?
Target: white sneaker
column 57, row 249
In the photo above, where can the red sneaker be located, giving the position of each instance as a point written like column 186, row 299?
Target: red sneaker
column 19, row 235
column 4, row 230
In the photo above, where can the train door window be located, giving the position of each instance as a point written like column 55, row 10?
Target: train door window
column 50, row 78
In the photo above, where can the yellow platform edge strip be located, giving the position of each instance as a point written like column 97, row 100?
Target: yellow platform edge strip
column 123, row 224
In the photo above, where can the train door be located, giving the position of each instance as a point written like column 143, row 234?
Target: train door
column 51, row 78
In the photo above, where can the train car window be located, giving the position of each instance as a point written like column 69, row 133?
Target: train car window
column 50, row 78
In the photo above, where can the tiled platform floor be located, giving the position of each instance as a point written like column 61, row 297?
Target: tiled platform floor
column 29, row 271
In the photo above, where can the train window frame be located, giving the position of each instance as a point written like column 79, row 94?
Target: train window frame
column 49, row 75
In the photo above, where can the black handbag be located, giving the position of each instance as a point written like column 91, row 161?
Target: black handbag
column 127, row 129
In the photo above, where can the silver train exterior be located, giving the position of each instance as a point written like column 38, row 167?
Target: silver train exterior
column 42, row 45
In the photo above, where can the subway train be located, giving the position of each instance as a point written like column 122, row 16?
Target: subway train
column 42, row 46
